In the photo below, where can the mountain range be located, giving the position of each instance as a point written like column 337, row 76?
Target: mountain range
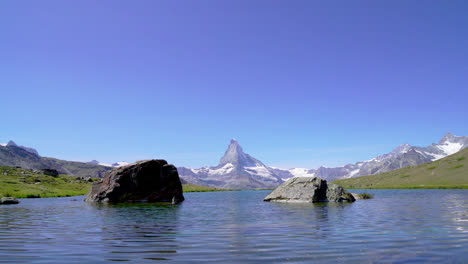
column 12, row 155
column 237, row 169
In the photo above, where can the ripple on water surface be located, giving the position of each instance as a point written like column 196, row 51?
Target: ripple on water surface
column 395, row 226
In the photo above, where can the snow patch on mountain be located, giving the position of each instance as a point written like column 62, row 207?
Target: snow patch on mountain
column 113, row 165
column 353, row 173
column 450, row 148
column 227, row 168
column 120, row 164
column 301, row 172
column 260, row 171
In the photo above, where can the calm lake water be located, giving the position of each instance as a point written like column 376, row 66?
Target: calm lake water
column 397, row 226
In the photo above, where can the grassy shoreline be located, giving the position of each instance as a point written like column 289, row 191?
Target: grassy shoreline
column 23, row 183
column 198, row 188
column 406, row 187
column 450, row 172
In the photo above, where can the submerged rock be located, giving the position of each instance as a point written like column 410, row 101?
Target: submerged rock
column 9, row 200
column 309, row 190
column 144, row 181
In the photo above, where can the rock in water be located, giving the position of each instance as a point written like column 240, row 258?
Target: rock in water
column 144, row 181
column 309, row 190
column 336, row 193
column 9, row 200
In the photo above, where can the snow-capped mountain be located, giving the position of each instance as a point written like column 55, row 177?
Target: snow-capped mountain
column 236, row 169
column 404, row 155
column 113, row 165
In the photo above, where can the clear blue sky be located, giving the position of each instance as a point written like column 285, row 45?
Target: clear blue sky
column 298, row 83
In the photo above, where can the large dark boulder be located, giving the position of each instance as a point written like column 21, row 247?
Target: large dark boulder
column 144, row 181
column 309, row 190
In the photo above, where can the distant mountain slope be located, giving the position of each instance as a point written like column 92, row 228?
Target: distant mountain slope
column 13, row 155
column 11, row 143
column 449, row 172
column 113, row 165
column 236, row 170
column 401, row 157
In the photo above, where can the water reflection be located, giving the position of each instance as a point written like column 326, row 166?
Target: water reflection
column 238, row 227
column 147, row 230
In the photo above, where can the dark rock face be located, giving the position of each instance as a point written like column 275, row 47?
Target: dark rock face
column 309, row 190
column 9, row 200
column 144, row 181
column 50, row 172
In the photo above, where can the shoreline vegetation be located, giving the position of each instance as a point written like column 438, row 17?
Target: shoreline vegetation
column 199, row 188
column 447, row 173
column 405, row 187
column 23, row 183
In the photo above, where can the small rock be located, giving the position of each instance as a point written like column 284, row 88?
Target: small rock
column 9, row 200
column 50, row 172
column 336, row 193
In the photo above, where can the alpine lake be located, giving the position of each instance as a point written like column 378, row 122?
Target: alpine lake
column 396, row 226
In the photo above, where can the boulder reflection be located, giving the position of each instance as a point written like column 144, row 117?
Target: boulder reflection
column 146, row 230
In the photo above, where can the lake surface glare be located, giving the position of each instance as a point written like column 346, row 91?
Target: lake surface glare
column 397, row 226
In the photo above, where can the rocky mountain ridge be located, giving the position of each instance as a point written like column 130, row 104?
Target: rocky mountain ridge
column 12, row 155
column 403, row 156
column 237, row 169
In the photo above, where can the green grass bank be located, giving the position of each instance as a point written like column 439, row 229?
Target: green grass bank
column 448, row 173
column 22, row 183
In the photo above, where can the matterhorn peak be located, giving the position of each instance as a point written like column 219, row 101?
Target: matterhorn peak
column 236, row 156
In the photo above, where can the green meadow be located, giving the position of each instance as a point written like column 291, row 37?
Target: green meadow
column 448, row 173
column 22, row 183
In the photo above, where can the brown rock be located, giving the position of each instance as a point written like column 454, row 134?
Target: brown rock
column 144, row 181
